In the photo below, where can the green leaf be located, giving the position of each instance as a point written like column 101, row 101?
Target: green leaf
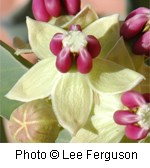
column 17, row 57
column 63, row 137
column 10, row 70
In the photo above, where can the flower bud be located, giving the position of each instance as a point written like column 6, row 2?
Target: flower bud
column 133, row 26
column 34, row 122
column 142, row 46
column 140, row 10
column 39, row 11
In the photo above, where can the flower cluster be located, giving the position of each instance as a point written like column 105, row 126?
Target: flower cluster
column 137, row 24
column 84, row 78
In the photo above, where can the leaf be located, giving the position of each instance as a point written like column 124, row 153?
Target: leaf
column 17, row 57
column 72, row 101
column 63, row 137
column 10, row 70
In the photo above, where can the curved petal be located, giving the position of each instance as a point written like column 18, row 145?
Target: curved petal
column 135, row 132
column 40, row 34
column 147, row 97
column 72, row 101
column 124, row 117
column 108, row 130
column 111, row 78
column 37, row 83
column 106, row 30
column 132, row 99
column 85, row 17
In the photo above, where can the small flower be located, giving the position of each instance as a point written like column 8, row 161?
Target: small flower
column 137, row 24
column 34, row 122
column 74, row 46
column 43, row 10
column 72, row 92
column 137, row 115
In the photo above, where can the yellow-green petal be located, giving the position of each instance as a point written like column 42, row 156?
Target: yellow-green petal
column 40, row 35
column 108, row 130
column 119, row 54
column 37, row 83
column 85, row 17
column 111, row 78
column 84, row 135
column 72, row 101
column 106, row 30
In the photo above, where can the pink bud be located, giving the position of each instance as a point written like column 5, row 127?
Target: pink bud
column 140, row 10
column 64, row 61
column 39, row 11
column 84, row 61
column 72, row 6
column 142, row 46
column 53, row 7
column 132, row 99
column 133, row 26
column 56, row 43
column 93, row 46
column 135, row 132
column 125, row 117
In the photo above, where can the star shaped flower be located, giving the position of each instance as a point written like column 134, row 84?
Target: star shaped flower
column 72, row 92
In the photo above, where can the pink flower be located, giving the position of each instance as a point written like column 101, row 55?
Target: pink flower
column 137, row 24
column 136, row 116
column 74, row 48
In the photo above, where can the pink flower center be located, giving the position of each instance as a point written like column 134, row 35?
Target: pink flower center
column 74, row 48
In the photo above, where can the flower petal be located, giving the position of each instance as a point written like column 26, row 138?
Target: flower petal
column 72, row 101
column 37, row 83
column 40, row 34
column 111, row 78
column 108, row 130
column 119, row 54
column 106, row 30
column 124, row 117
column 84, row 135
column 135, row 132
column 132, row 99
column 85, row 17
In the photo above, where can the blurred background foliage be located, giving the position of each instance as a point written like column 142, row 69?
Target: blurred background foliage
column 13, row 20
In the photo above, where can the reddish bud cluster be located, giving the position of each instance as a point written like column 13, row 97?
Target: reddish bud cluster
column 43, row 10
column 134, row 26
column 83, row 58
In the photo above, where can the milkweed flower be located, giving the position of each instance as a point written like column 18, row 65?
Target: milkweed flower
column 72, row 92
column 137, row 24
